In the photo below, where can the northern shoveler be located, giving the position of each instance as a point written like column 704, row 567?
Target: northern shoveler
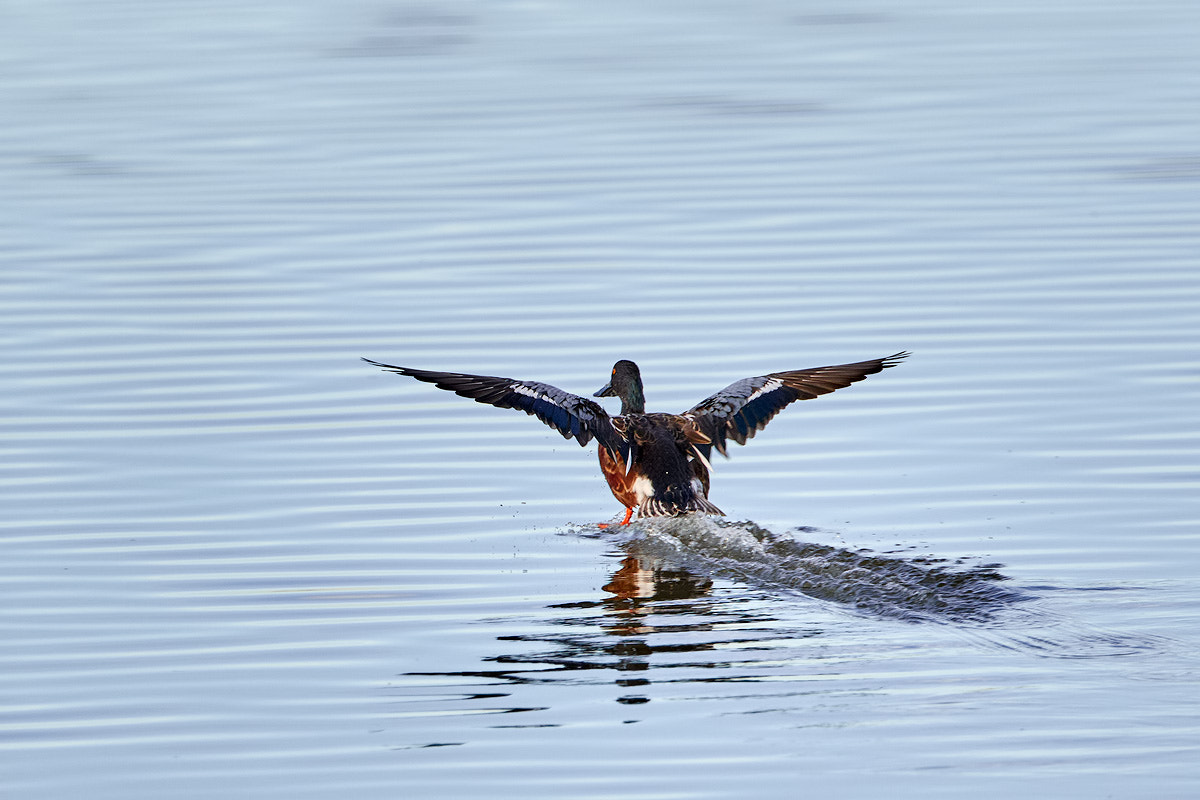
column 656, row 463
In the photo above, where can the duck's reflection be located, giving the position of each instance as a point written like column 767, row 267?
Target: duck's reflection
column 642, row 578
column 651, row 608
column 646, row 597
column 654, row 619
column 654, row 613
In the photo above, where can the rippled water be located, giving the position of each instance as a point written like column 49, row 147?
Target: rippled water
column 239, row 562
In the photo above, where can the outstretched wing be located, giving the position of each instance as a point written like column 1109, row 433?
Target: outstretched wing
column 569, row 414
column 742, row 409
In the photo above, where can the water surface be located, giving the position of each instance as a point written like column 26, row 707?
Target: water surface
column 240, row 562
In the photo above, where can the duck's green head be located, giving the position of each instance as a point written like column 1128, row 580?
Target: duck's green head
column 626, row 383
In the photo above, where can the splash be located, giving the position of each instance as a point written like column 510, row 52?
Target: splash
column 972, row 599
column 910, row 589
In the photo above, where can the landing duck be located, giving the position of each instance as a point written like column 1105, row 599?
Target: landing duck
column 655, row 464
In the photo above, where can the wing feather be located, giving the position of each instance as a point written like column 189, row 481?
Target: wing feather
column 744, row 408
column 571, row 415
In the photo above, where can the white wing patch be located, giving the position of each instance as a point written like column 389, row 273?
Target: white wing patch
column 521, row 388
column 769, row 386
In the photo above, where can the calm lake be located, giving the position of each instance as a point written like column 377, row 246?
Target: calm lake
column 239, row 562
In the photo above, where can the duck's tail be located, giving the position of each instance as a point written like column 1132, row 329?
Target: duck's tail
column 668, row 507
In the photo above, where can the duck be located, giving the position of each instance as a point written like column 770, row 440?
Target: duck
column 655, row 464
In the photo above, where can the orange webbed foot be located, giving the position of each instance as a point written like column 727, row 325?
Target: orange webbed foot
column 628, row 514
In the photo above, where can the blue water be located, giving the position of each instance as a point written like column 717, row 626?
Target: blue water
column 240, row 562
